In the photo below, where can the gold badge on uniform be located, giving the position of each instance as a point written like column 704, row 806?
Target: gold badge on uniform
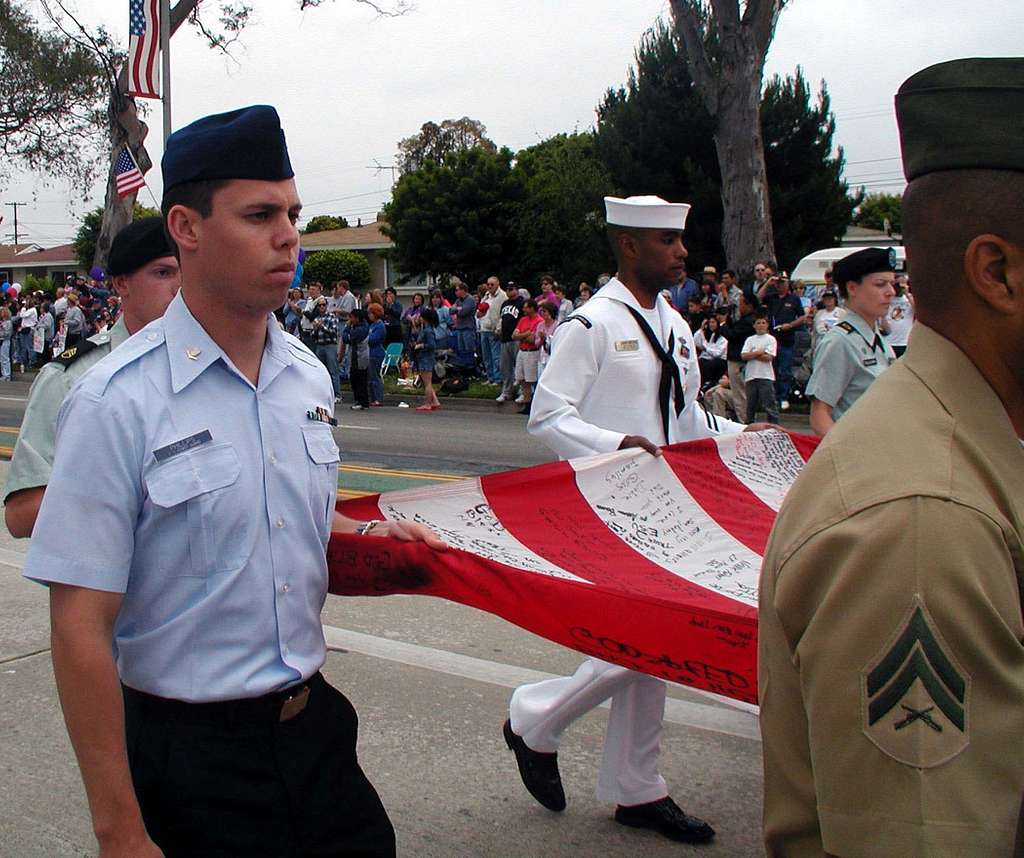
column 915, row 698
column 627, row 345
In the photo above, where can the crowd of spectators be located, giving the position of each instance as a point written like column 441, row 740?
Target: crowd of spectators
column 37, row 326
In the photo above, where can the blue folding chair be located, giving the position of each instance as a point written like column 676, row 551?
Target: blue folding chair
column 392, row 355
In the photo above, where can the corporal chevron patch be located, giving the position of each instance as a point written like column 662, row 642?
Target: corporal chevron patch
column 915, row 698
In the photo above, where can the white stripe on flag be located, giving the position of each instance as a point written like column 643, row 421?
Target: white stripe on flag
column 460, row 513
column 766, row 463
column 642, row 502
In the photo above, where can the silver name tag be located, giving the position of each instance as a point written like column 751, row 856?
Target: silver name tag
column 627, row 345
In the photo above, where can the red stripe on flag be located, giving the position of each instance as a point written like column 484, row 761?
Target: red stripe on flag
column 545, row 519
column 153, row 33
column 738, row 511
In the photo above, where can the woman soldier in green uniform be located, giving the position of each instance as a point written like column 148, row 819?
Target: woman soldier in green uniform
column 854, row 352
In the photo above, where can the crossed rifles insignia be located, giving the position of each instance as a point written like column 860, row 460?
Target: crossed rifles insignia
column 915, row 697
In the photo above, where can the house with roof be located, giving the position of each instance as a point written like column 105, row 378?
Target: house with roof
column 367, row 239
column 54, row 263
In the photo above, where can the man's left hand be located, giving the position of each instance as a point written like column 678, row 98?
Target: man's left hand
column 761, row 427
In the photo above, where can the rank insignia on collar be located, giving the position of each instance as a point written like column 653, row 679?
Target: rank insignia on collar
column 684, row 352
column 915, row 698
column 322, row 415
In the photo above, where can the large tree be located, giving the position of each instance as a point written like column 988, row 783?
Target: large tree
column 51, row 99
column 456, row 217
column 89, row 232
column 810, row 202
column 656, row 137
column 559, row 224
column 881, row 211
column 725, row 52
column 323, row 223
column 124, row 126
column 436, row 142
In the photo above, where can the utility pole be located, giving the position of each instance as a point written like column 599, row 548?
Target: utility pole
column 165, row 58
column 15, row 207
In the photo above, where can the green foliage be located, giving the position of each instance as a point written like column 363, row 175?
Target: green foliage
column 52, row 93
column 810, row 203
column 322, row 223
column 89, row 232
column 875, row 209
column 559, row 225
column 438, row 142
column 328, row 266
column 455, row 218
column 36, row 283
column 656, row 137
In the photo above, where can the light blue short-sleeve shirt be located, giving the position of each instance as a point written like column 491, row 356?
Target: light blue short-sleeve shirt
column 213, row 514
column 848, row 358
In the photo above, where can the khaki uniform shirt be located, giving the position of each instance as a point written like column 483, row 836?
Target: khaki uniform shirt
column 891, row 665
column 33, row 453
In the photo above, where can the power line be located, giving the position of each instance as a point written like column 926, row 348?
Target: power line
column 15, row 207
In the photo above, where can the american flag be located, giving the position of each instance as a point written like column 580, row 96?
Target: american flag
column 143, row 48
column 127, row 174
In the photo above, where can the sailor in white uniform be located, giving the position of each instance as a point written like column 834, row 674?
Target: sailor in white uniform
column 623, row 373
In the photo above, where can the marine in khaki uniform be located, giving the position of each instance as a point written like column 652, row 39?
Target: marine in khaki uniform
column 891, row 664
column 143, row 268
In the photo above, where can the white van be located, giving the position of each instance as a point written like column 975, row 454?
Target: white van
column 811, row 269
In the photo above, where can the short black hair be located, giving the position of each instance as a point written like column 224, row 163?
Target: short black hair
column 730, row 272
column 429, row 315
column 193, row 195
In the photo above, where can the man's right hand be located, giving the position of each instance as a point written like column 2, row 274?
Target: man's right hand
column 640, row 441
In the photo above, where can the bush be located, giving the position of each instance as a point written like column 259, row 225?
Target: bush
column 34, row 284
column 329, row 266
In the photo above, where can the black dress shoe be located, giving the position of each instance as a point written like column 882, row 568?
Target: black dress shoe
column 665, row 817
column 538, row 771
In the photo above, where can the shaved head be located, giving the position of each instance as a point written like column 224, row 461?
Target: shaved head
column 942, row 213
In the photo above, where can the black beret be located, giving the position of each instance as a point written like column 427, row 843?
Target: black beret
column 962, row 115
column 242, row 144
column 138, row 243
column 867, row 261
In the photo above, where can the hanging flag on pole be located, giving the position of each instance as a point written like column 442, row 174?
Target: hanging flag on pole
column 127, row 176
column 143, row 48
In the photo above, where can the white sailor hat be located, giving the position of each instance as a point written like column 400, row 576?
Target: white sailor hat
column 645, row 212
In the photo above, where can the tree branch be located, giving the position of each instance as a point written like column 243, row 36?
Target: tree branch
column 760, row 18
column 691, row 19
column 400, row 8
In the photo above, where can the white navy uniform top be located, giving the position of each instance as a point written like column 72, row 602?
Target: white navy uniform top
column 603, row 379
column 211, row 510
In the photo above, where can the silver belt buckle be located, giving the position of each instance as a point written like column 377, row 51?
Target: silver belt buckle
column 295, row 704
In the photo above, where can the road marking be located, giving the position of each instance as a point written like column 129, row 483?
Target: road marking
column 14, row 398
column 731, row 722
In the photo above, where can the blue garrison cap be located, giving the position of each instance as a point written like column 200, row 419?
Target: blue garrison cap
column 247, row 143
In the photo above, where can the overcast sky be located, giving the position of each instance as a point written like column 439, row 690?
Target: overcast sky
column 349, row 85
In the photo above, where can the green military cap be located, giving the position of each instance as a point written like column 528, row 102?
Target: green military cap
column 962, row 115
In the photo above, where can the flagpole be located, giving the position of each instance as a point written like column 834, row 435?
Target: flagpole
column 165, row 59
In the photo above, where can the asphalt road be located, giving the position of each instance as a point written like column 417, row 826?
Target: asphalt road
column 430, row 680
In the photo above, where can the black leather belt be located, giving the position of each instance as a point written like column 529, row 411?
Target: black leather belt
column 271, row 708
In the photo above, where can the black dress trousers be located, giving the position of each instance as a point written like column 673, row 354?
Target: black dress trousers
column 220, row 783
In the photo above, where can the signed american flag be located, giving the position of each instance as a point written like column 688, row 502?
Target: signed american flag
column 143, row 48
column 651, row 563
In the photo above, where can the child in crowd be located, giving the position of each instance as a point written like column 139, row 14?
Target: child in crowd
column 759, row 375
column 424, row 344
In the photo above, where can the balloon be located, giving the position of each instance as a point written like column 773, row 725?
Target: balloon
column 96, row 273
column 5, row 286
column 297, row 279
column 302, row 255
column 16, row 287
column 10, row 290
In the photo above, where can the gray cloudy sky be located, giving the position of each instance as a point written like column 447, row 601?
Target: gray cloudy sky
column 349, row 85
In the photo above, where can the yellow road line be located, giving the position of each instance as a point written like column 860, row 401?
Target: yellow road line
column 14, row 429
column 7, row 451
column 349, row 493
column 387, row 472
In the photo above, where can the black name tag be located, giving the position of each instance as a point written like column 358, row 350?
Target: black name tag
column 183, row 446
column 870, row 361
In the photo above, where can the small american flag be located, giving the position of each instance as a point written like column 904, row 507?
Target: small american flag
column 143, row 48
column 127, row 175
